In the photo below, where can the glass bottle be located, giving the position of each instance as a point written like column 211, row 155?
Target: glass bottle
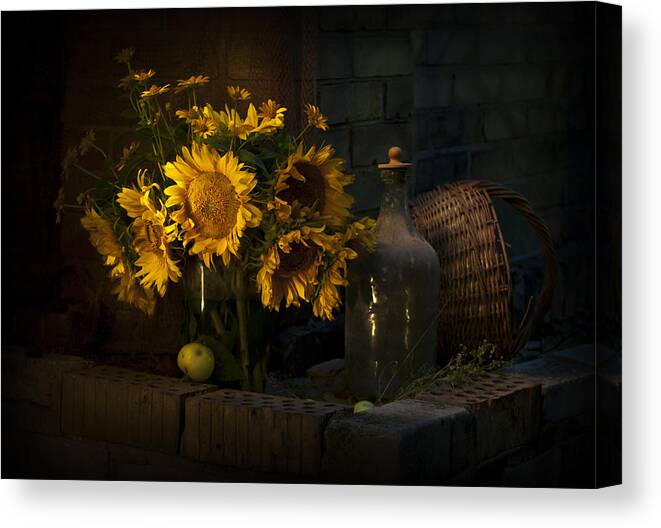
column 392, row 299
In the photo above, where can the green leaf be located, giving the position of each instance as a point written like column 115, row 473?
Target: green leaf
column 227, row 367
column 251, row 159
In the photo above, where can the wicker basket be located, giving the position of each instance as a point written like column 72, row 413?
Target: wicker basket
column 459, row 221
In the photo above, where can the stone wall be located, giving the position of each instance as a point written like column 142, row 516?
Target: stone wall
column 501, row 92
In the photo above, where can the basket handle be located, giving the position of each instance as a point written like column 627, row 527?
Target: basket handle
column 522, row 206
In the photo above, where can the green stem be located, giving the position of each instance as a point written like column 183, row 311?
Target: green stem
column 242, row 313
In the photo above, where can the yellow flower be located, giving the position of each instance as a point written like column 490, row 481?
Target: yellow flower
column 151, row 237
column 188, row 115
column 282, row 210
column 135, row 201
column 192, row 82
column 204, row 126
column 272, row 113
column 289, row 267
column 104, row 240
column 128, row 290
column 238, row 94
column 126, row 81
column 87, row 142
column 251, row 124
column 328, row 298
column 124, row 56
column 312, row 183
column 155, row 90
column 315, row 117
column 360, row 235
column 212, row 193
column 70, row 158
column 143, row 76
column 127, row 152
column 58, row 205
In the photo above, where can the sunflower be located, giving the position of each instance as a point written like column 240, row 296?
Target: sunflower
column 204, row 126
column 129, row 290
column 87, row 142
column 192, row 82
column 151, row 237
column 238, row 94
column 360, row 235
column 124, row 55
column 272, row 114
column 313, row 183
column 212, row 193
column 328, row 296
column 143, row 76
column 127, row 152
column 155, row 90
column 315, row 117
column 104, row 240
column 290, row 266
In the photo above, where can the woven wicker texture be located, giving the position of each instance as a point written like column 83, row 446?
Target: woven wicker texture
column 460, row 222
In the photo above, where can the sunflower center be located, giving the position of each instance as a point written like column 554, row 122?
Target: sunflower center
column 299, row 259
column 309, row 193
column 213, row 204
column 154, row 234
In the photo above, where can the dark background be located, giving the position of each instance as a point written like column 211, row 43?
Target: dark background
column 501, row 92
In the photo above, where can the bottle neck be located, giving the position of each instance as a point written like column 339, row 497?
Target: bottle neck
column 394, row 211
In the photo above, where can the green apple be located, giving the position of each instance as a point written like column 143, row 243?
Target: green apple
column 363, row 406
column 196, row 360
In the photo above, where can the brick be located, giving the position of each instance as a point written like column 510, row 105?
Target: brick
column 493, row 164
column 115, row 405
column 367, row 190
column 453, row 127
column 257, row 431
column 418, row 16
column 501, row 48
column 439, row 169
column 352, row 18
column 38, row 456
column 525, row 83
column 542, row 119
column 448, row 46
column 477, row 86
column 505, row 122
column 567, row 390
column 419, row 47
column 382, row 56
column 568, row 464
column 547, row 12
column 399, row 98
column 506, row 410
column 536, row 155
column 340, row 139
column 334, row 58
column 432, row 88
column 32, row 390
column 370, row 144
column 350, row 102
column 568, row 81
column 482, row 14
column 404, row 442
column 452, row 167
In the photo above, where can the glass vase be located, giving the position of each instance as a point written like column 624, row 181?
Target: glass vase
column 392, row 299
column 224, row 312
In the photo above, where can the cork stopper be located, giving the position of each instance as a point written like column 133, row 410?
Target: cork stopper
column 395, row 160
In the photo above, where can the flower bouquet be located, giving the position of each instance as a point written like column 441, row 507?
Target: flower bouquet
column 229, row 191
